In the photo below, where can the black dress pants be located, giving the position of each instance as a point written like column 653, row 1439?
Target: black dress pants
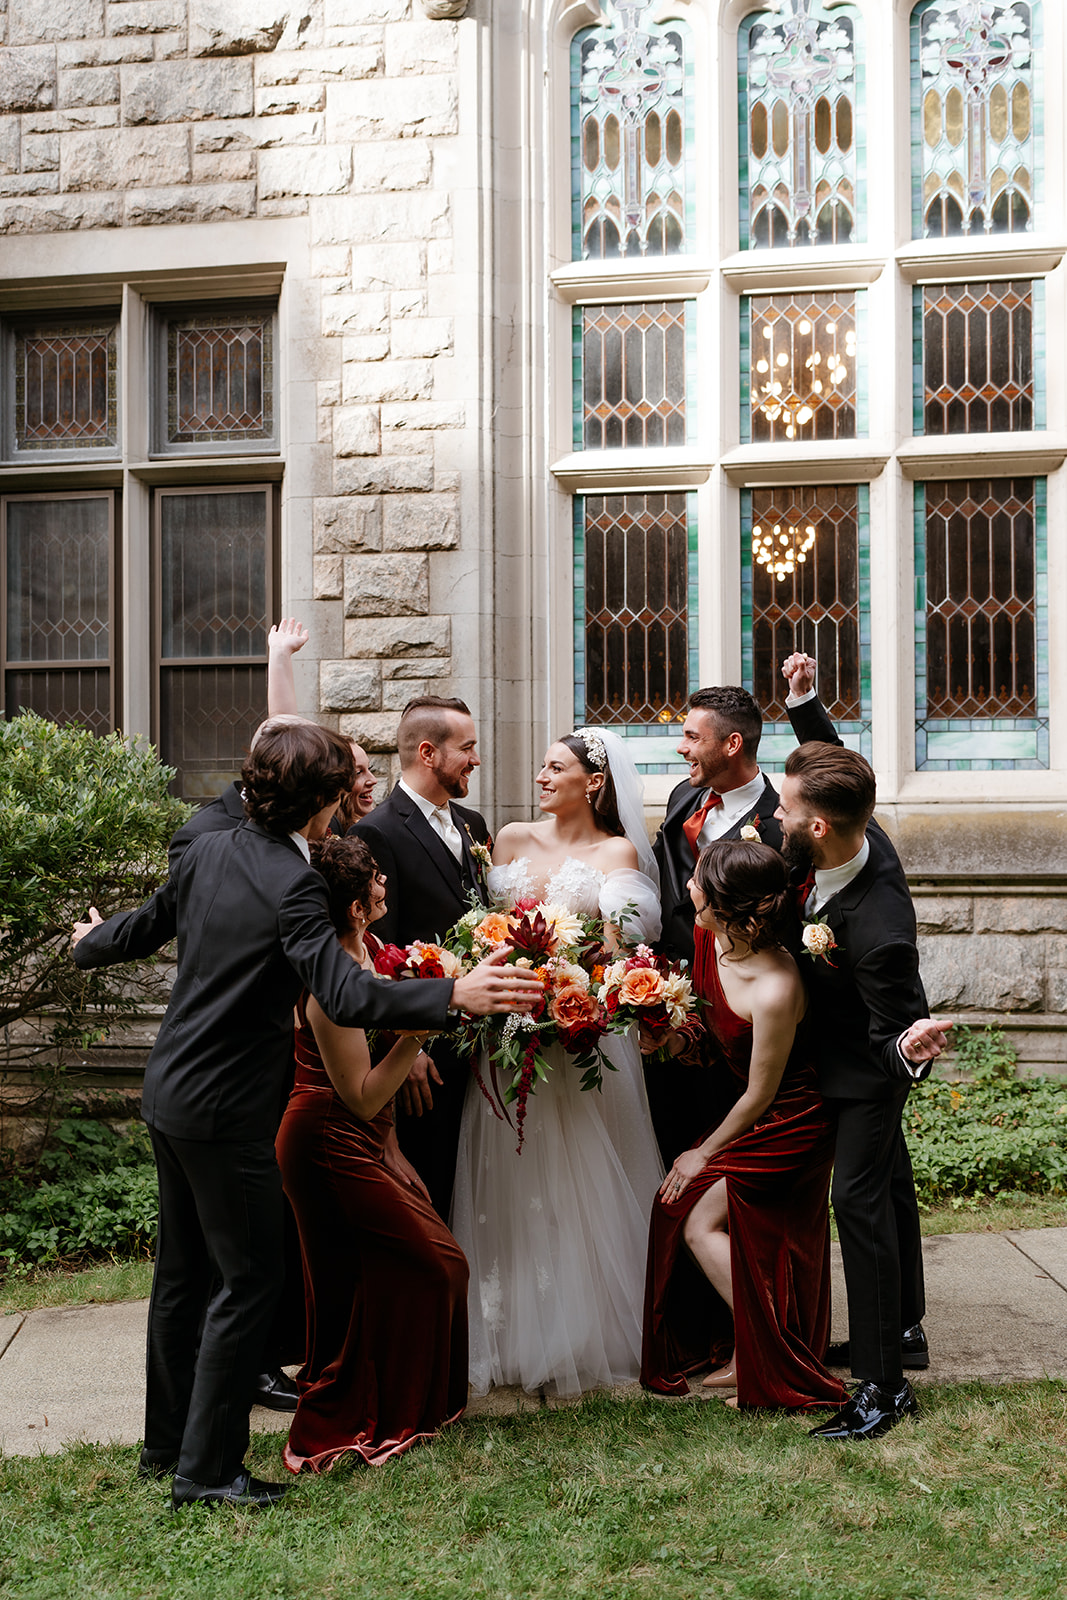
column 218, row 1275
column 873, row 1196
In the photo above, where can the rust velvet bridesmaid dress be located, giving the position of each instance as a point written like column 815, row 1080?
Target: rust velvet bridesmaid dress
column 385, row 1284
column 777, row 1182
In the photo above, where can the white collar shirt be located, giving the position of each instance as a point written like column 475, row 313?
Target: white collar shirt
column 831, row 880
column 302, row 845
column 736, row 803
column 440, row 819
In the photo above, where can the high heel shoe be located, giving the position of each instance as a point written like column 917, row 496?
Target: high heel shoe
column 722, row 1378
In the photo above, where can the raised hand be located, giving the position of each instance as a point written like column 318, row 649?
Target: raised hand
column 798, row 670
column 491, row 987
column 287, row 637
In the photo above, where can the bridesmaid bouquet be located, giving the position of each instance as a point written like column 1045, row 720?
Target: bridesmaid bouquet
column 652, row 993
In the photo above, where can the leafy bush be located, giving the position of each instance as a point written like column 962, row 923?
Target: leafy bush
column 91, row 1193
column 83, row 821
column 987, row 1132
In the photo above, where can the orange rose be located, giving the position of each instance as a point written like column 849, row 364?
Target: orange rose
column 571, row 1006
column 493, row 929
column 641, row 987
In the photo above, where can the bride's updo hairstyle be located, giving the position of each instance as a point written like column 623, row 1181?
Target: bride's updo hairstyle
column 350, row 871
column 594, row 759
column 746, row 886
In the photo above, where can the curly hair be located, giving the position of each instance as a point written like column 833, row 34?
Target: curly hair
column 746, row 886
column 605, row 804
column 292, row 772
column 350, row 871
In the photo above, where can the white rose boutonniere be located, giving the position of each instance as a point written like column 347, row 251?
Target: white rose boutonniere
column 818, row 940
column 750, row 833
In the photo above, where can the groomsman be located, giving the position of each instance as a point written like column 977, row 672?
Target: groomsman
column 873, row 1040
column 433, row 852
column 724, row 792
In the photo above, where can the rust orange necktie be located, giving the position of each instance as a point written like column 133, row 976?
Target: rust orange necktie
column 692, row 825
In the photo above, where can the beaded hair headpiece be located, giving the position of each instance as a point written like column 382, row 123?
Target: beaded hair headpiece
column 594, row 747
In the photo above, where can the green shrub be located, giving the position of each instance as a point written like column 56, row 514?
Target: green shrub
column 83, row 821
column 987, row 1132
column 92, row 1193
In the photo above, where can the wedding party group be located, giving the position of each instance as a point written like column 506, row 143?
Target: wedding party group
column 433, row 1113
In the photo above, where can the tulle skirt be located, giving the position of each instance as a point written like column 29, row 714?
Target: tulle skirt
column 556, row 1237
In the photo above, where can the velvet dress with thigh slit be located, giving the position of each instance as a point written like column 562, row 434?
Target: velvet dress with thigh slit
column 385, row 1284
column 777, row 1182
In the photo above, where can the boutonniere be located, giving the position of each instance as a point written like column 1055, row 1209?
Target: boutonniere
column 481, row 853
column 750, row 831
column 818, row 940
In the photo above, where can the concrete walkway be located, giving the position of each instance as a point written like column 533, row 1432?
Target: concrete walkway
column 998, row 1311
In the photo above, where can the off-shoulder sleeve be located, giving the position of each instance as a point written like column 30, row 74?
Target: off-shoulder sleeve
column 631, row 901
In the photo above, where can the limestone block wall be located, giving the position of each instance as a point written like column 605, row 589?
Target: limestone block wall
column 360, row 117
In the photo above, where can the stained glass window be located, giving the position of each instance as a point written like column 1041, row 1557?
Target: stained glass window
column 977, row 357
column 213, row 554
column 806, row 586
column 981, row 646
column 57, row 563
column 631, row 369
column 66, row 386
column 631, row 129
column 220, row 378
column 800, row 91
column 799, row 366
column 635, row 561
column 975, row 116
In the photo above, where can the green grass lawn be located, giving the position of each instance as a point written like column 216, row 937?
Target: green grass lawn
column 636, row 1499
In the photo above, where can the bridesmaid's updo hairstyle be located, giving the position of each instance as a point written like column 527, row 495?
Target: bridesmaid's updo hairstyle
column 292, row 771
column 746, row 887
column 350, row 871
column 605, row 804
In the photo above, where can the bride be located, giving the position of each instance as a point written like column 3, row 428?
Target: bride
column 557, row 1237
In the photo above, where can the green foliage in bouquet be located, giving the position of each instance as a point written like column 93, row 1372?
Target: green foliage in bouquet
column 91, row 1193
column 83, row 821
column 987, row 1132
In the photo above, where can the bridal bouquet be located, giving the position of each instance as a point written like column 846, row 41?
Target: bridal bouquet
column 651, row 992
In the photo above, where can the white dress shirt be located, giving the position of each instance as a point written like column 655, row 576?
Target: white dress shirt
column 736, row 803
column 302, row 845
column 831, row 880
column 440, row 819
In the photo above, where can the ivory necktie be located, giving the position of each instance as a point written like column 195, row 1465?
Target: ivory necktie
column 448, row 830
column 692, row 825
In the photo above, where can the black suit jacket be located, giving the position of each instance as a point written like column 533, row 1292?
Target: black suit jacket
column 225, row 812
column 253, row 929
column 863, row 1002
column 675, row 860
column 427, row 887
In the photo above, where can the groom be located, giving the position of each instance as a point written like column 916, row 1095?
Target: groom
column 873, row 1041
column 433, row 852
column 724, row 792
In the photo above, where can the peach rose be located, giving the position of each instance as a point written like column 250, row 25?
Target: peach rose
column 571, row 1006
column 641, row 987
column 492, row 930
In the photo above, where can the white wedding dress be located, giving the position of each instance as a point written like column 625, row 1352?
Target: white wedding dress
column 557, row 1237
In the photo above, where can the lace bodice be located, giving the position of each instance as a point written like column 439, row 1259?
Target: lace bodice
column 583, row 888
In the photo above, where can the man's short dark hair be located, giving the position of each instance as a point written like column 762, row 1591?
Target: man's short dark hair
column 835, row 783
column 293, row 772
column 425, row 720
column 734, row 711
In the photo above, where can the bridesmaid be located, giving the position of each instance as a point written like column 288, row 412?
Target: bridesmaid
column 749, row 1202
column 386, row 1283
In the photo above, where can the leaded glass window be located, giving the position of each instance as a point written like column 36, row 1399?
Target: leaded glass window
column 806, row 586
column 631, row 128
column 631, row 369
column 213, row 552
column 975, row 122
column 635, row 559
column 66, row 385
column 981, row 647
column 219, row 379
column 977, row 356
column 799, row 91
column 57, row 615
column 799, row 366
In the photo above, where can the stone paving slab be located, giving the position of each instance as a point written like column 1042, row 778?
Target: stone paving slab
column 997, row 1311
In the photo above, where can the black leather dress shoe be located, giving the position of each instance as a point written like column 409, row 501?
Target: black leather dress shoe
column 276, row 1391
column 914, row 1351
column 156, row 1464
column 871, row 1412
column 243, row 1491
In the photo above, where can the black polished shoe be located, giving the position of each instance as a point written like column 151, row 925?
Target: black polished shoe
column 276, row 1391
column 914, row 1350
column 156, row 1464
column 871, row 1412
column 243, row 1491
